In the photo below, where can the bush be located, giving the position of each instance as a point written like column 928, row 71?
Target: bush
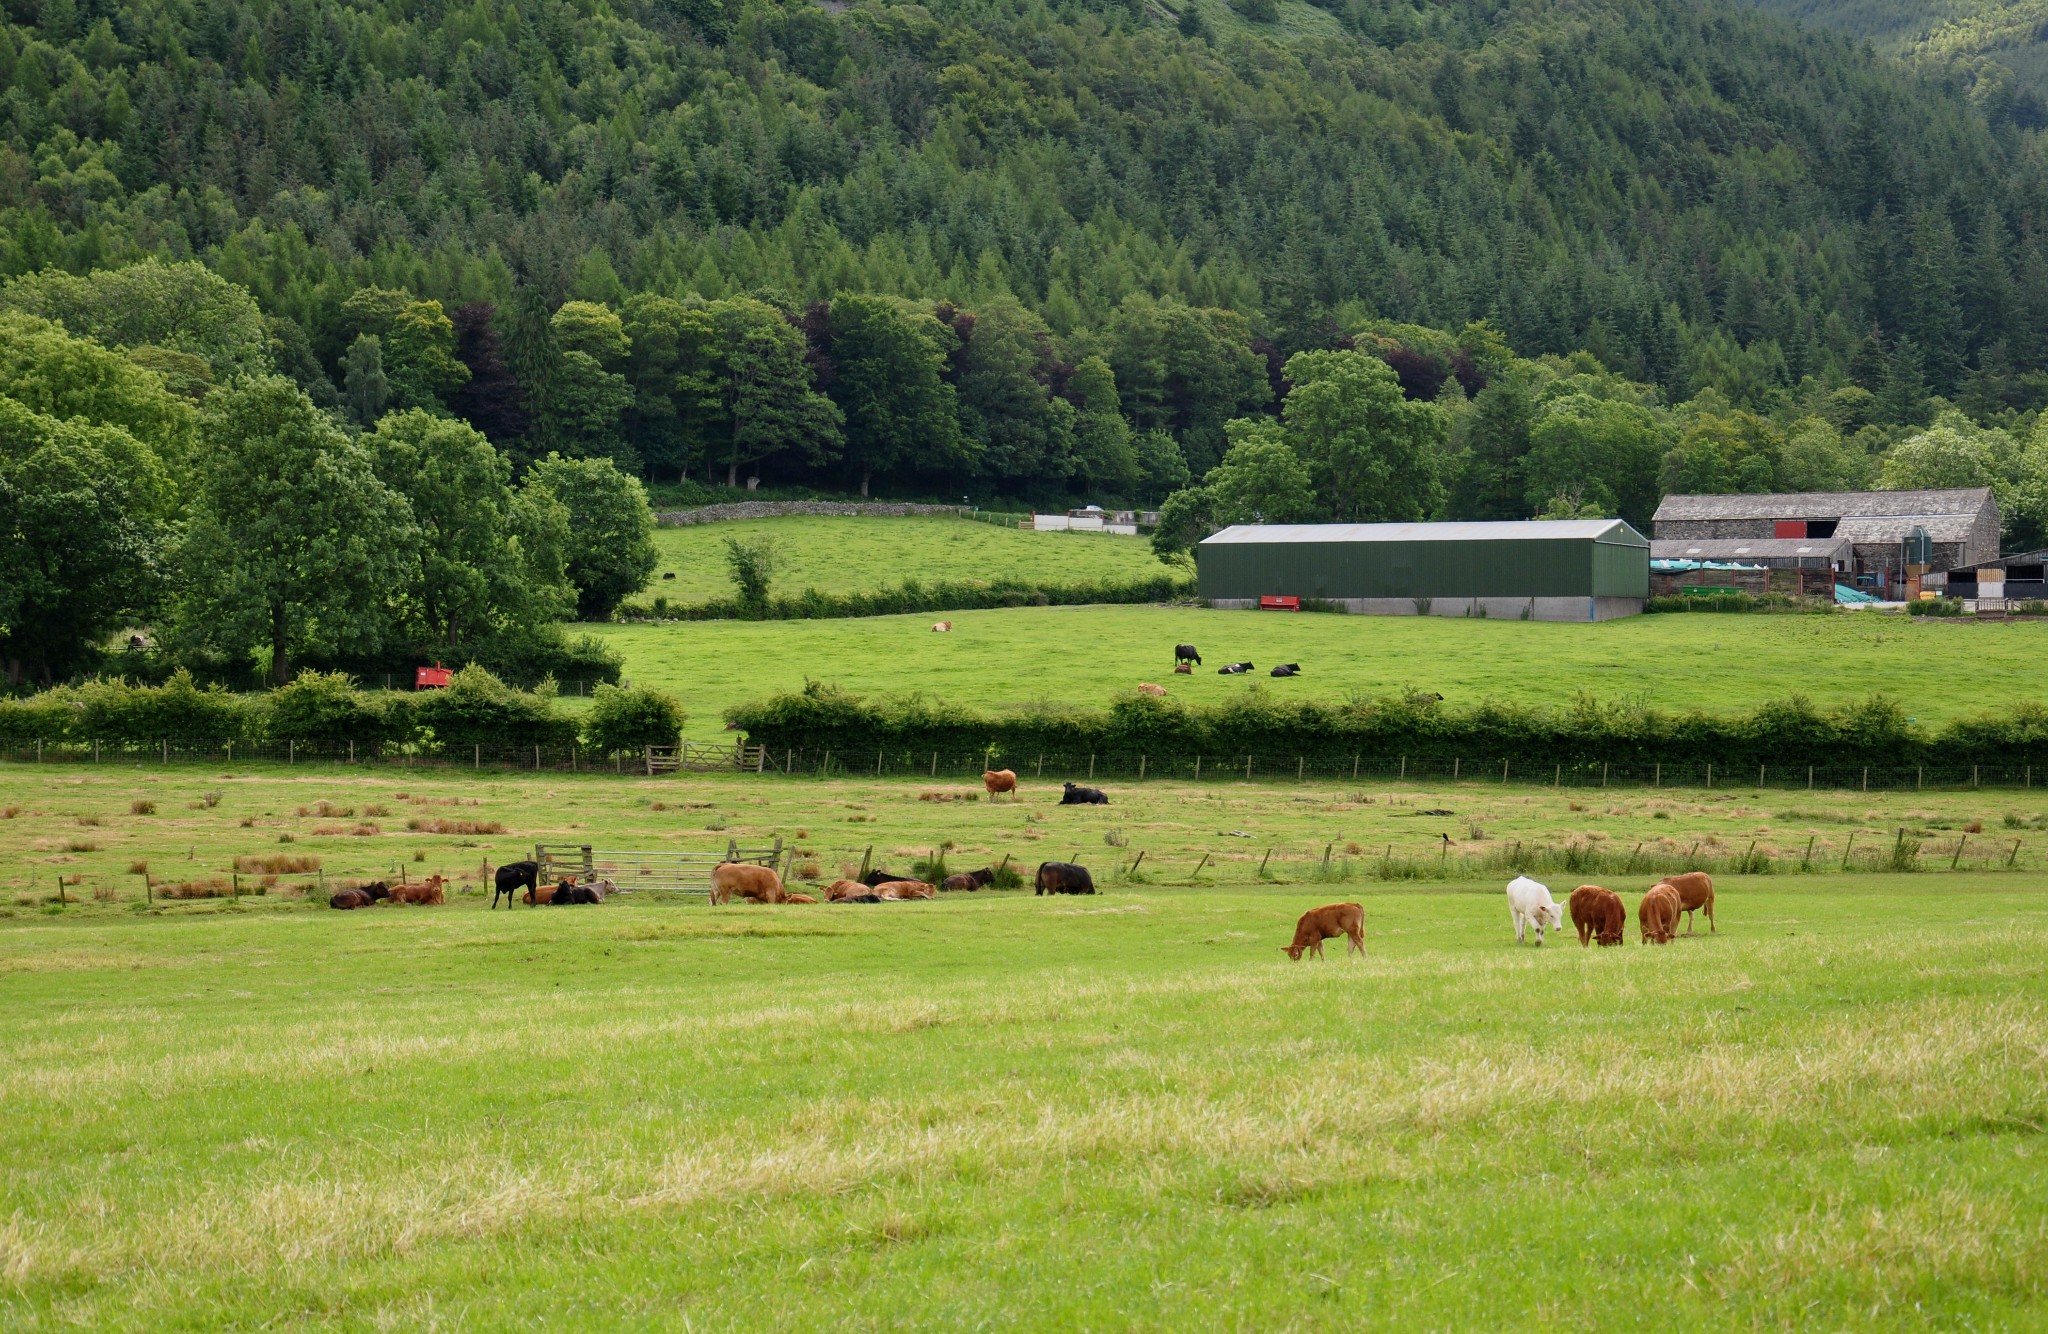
column 631, row 720
column 477, row 708
column 915, row 596
column 45, row 717
column 1767, row 602
column 326, row 706
column 1935, row 607
column 175, row 711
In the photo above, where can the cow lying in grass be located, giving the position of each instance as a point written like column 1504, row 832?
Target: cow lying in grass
column 1073, row 794
column 850, row 891
column 1657, row 915
column 968, row 881
column 426, row 892
column 569, row 894
column 1599, row 914
column 360, row 897
column 1063, row 878
column 894, row 891
column 1695, row 891
column 1327, row 923
column 1529, row 903
column 756, row 884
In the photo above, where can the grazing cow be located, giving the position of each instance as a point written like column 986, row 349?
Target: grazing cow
column 426, row 892
column 1234, row 669
column 893, row 891
column 756, row 884
column 1530, row 903
column 1185, row 653
column 539, row 894
column 1599, row 914
column 1076, row 795
column 511, row 876
column 1063, row 878
column 1147, row 688
column 1327, row 923
column 798, row 898
column 941, row 627
column 361, row 897
column 1183, row 669
column 1657, row 915
column 999, row 781
column 1287, row 669
column 1695, row 891
column 969, row 881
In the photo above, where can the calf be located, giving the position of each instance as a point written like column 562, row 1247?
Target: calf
column 1657, row 915
column 1234, row 669
column 1530, row 903
column 427, row 892
column 1183, row 669
column 1695, row 891
column 1075, row 795
column 756, row 884
column 1185, row 653
column 969, row 881
column 1327, row 923
column 893, row 891
column 798, row 898
column 1147, row 688
column 941, row 627
column 1599, row 914
column 998, row 781
column 511, row 876
column 1287, row 669
column 1063, row 878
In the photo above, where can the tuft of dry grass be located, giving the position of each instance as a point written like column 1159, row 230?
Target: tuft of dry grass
column 419, row 825
column 208, row 887
column 90, row 821
column 327, row 810
column 81, row 845
column 138, row 868
column 360, row 829
column 104, row 893
column 276, row 863
column 210, row 799
column 142, row 807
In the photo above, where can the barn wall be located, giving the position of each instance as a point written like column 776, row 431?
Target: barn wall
column 1491, row 609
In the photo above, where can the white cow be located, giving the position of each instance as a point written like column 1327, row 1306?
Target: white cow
column 1530, row 903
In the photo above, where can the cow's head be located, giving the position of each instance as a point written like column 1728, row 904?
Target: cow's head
column 1293, row 951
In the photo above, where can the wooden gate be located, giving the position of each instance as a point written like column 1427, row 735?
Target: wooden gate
column 680, row 872
column 706, row 757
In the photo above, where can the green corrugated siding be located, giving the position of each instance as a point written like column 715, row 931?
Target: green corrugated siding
column 1504, row 568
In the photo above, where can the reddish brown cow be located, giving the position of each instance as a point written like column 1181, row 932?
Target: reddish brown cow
column 798, row 898
column 1695, row 890
column 890, row 891
column 1327, row 923
column 428, row 891
column 540, row 894
column 1657, row 915
column 999, row 781
column 756, row 884
column 839, row 891
column 1147, row 688
column 1599, row 914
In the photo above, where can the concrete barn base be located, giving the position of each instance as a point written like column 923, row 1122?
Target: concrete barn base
column 1493, row 609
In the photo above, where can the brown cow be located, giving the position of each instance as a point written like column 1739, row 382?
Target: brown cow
column 361, row 897
column 891, row 891
column 1183, row 669
column 1695, row 890
column 941, row 627
column 999, row 781
column 970, row 881
column 1327, row 923
column 798, row 898
column 756, row 884
column 839, row 891
column 1147, row 688
column 1599, row 914
column 426, row 892
column 1657, row 915
column 538, row 894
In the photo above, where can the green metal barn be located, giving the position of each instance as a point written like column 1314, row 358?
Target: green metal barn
column 1563, row 570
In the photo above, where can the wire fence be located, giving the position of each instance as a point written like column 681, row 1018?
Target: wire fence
column 1062, row 767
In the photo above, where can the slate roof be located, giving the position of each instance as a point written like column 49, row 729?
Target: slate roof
column 1759, row 548
column 1966, row 501
column 1518, row 530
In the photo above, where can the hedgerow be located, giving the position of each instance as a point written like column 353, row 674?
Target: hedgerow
column 914, row 595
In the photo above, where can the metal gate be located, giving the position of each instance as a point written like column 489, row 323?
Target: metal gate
column 680, row 872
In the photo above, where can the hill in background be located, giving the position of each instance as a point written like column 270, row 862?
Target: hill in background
column 1998, row 44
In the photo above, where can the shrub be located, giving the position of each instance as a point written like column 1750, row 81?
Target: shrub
column 276, row 863
column 1738, row 602
column 45, row 717
column 917, row 596
column 476, row 708
column 175, row 711
column 326, row 706
column 1935, row 607
column 630, row 720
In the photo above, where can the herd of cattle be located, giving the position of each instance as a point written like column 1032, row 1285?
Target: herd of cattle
column 1186, row 659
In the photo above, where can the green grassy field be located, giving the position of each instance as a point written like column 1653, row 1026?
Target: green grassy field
column 849, row 555
column 1093, row 654
column 1129, row 1111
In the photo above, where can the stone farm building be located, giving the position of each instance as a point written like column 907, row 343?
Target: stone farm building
column 1566, row 570
column 1860, row 536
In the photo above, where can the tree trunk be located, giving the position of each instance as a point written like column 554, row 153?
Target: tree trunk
column 864, row 474
column 280, row 663
column 732, row 473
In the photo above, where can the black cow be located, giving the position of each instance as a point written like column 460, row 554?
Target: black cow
column 513, row 877
column 1186, row 653
column 1234, row 669
column 1063, row 878
column 568, row 893
column 1083, row 796
column 873, row 878
column 1288, row 669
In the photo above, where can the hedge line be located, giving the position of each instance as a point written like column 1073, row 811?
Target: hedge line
column 1791, row 731
column 477, row 709
column 914, row 595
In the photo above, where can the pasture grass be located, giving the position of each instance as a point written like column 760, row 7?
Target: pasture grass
column 849, row 554
column 1124, row 1112
column 1011, row 657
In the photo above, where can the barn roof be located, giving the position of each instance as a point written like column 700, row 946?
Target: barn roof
column 1759, row 548
column 1968, row 501
column 1520, row 530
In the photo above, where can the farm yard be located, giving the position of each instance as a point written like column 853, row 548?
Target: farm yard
column 1090, row 655
column 996, row 1109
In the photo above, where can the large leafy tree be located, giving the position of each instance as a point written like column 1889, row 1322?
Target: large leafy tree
column 1104, row 453
column 590, row 394
column 490, row 558
column 886, row 358
column 1185, row 370
column 1372, row 455
column 1022, row 433
column 185, row 307
column 1598, row 452
column 758, row 394
column 611, row 528
column 292, row 542
column 416, row 344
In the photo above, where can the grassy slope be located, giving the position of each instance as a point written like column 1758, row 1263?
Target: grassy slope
column 844, row 555
column 1090, row 654
column 1128, row 1112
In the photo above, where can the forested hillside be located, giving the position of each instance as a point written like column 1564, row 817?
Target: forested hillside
column 1996, row 46
column 446, row 264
